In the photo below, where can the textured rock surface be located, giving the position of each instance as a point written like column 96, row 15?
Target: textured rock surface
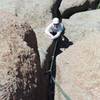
column 36, row 12
column 88, row 16
column 82, row 24
column 78, row 66
column 69, row 7
column 44, row 42
column 19, row 60
column 77, row 29
column 21, row 48
column 78, row 70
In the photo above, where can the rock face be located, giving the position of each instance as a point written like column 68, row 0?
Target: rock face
column 89, row 16
column 22, row 70
column 36, row 12
column 44, row 43
column 82, row 24
column 78, row 66
column 69, row 7
column 78, row 70
column 19, row 60
column 77, row 29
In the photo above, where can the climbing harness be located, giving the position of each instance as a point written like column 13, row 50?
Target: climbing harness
column 52, row 69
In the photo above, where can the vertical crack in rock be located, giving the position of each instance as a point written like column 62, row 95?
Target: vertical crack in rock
column 87, row 5
column 55, row 9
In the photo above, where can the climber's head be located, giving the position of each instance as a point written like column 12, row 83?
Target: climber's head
column 55, row 21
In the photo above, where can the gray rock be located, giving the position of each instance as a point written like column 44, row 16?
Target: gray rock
column 44, row 42
column 89, row 16
column 77, row 66
column 20, row 72
column 75, row 30
column 78, row 70
column 82, row 24
column 69, row 7
column 36, row 12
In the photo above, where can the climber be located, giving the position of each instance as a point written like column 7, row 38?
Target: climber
column 54, row 29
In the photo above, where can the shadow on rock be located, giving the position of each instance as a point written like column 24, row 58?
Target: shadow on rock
column 86, row 6
column 63, row 43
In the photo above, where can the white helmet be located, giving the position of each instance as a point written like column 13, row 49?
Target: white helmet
column 55, row 20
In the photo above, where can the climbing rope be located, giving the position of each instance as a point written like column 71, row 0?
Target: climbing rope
column 60, row 89
column 52, row 78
